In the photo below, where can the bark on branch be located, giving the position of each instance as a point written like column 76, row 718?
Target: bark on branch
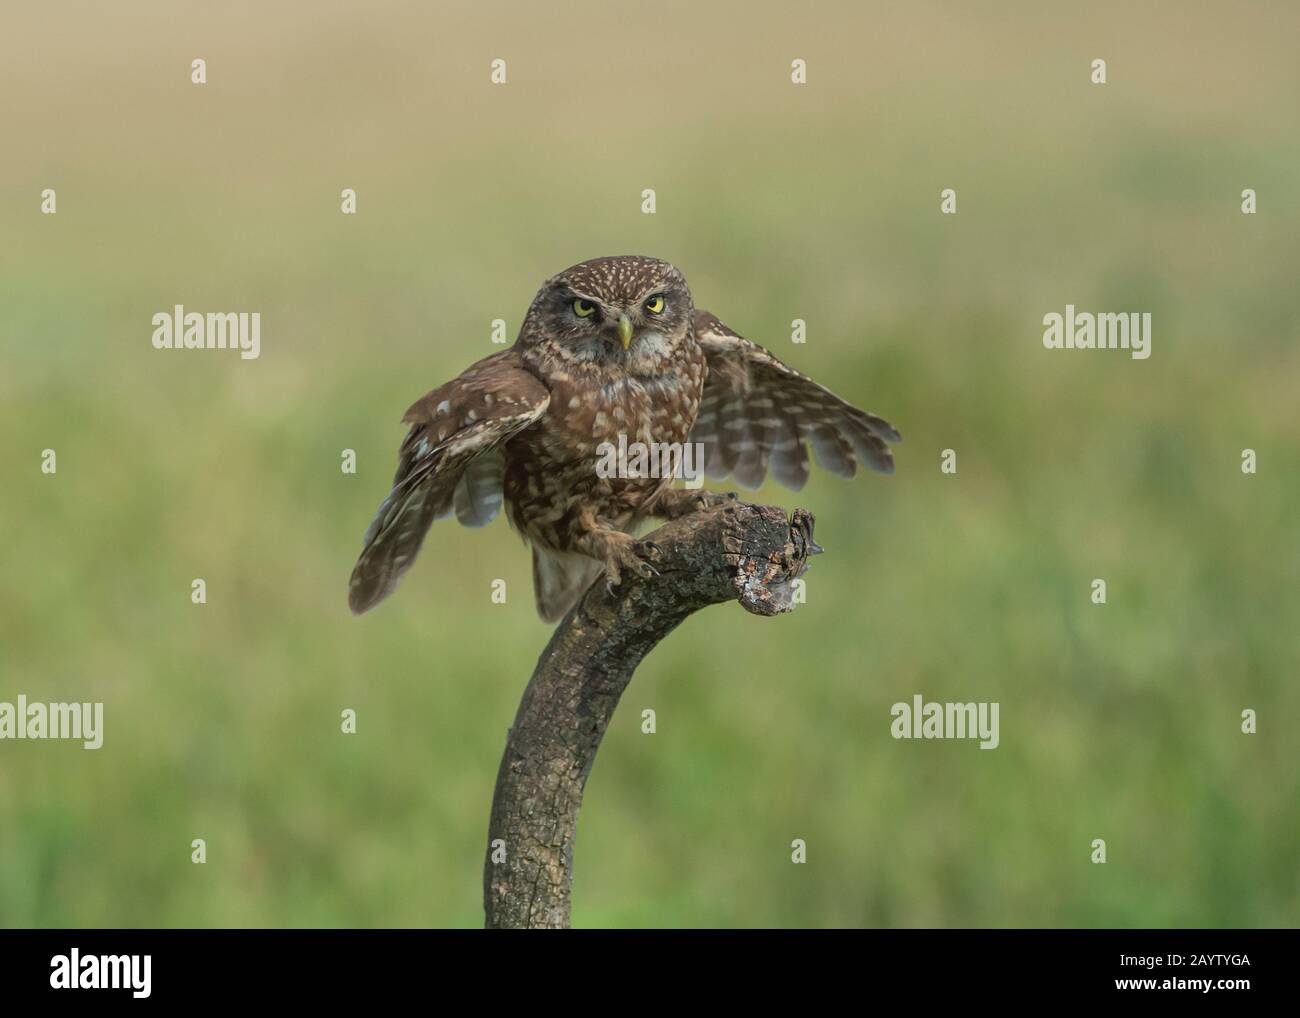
column 738, row 552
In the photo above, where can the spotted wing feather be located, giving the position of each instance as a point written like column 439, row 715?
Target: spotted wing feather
column 758, row 414
column 450, row 461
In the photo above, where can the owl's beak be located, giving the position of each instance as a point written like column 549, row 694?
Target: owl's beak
column 625, row 330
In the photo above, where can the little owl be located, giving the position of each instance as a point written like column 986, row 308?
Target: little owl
column 612, row 348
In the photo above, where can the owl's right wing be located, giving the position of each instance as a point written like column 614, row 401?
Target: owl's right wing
column 450, row 461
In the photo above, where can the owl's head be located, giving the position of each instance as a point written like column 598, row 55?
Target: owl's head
column 629, row 311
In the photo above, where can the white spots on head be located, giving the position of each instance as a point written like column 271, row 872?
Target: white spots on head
column 443, row 407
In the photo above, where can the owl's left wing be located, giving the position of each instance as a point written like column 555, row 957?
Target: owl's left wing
column 758, row 412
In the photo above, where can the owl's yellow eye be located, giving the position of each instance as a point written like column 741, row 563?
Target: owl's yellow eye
column 584, row 308
column 655, row 304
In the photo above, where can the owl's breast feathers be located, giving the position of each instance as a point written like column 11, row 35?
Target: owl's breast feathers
column 554, row 469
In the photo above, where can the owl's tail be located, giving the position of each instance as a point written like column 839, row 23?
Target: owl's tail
column 559, row 580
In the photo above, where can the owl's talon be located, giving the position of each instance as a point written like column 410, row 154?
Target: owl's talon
column 627, row 556
column 649, row 550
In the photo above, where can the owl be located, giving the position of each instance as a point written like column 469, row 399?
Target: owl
column 612, row 354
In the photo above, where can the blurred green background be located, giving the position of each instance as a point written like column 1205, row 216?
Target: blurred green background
column 778, row 202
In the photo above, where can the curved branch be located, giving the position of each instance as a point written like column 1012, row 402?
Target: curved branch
column 738, row 552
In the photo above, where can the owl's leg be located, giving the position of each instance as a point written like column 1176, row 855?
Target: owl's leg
column 616, row 550
column 674, row 503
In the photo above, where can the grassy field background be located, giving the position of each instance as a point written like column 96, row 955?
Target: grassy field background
column 778, row 202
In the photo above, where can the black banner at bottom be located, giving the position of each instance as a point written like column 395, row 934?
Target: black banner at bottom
column 143, row 968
